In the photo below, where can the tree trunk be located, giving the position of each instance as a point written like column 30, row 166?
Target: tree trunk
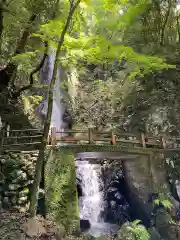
column 165, row 23
column 41, row 156
column 6, row 74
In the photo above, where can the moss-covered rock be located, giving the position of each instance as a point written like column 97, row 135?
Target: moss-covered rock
column 61, row 192
column 15, row 178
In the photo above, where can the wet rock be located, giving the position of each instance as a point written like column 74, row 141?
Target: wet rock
column 79, row 190
column 117, row 209
column 41, row 193
column 84, row 224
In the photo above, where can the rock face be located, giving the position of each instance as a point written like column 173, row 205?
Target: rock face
column 117, row 209
column 16, row 178
column 146, row 176
column 139, row 181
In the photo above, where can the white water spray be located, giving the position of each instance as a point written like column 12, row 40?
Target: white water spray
column 58, row 105
column 91, row 203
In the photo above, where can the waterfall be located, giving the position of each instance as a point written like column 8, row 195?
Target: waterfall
column 59, row 108
column 91, row 203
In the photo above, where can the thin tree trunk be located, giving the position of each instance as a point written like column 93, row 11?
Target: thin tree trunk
column 41, row 156
column 42, row 201
column 25, row 36
column 165, row 23
column 178, row 28
column 1, row 22
column 2, row 4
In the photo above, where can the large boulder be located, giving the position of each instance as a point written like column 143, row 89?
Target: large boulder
column 84, row 224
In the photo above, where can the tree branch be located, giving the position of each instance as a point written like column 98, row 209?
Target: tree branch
column 37, row 69
column 6, row 74
column 9, row 2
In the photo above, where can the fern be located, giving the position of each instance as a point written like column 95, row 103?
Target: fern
column 133, row 231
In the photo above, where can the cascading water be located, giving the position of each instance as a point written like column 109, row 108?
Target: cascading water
column 92, row 202
column 57, row 119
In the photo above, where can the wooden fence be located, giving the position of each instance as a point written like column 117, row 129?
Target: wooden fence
column 23, row 137
column 26, row 137
column 90, row 136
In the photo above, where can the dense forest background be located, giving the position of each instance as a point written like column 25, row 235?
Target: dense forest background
column 122, row 58
column 125, row 48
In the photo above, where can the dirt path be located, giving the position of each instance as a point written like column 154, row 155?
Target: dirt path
column 16, row 226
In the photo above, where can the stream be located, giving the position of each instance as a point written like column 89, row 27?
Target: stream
column 92, row 203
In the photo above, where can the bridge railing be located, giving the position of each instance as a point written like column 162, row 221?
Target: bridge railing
column 81, row 137
column 14, row 137
column 90, row 136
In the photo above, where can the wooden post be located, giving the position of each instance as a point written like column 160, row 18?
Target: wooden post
column 143, row 142
column 90, row 137
column 163, row 142
column 53, row 136
column 3, row 130
column 49, row 139
column 113, row 139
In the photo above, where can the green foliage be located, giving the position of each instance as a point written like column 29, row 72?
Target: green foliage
column 101, row 47
column 166, row 203
column 101, row 32
column 25, row 61
column 36, row 99
column 133, row 231
column 61, row 189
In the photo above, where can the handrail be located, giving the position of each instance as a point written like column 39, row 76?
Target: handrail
column 88, row 136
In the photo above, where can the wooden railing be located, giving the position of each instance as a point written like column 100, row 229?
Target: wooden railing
column 27, row 137
column 90, row 136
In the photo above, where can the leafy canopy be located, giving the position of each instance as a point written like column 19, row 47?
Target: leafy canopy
column 97, row 36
